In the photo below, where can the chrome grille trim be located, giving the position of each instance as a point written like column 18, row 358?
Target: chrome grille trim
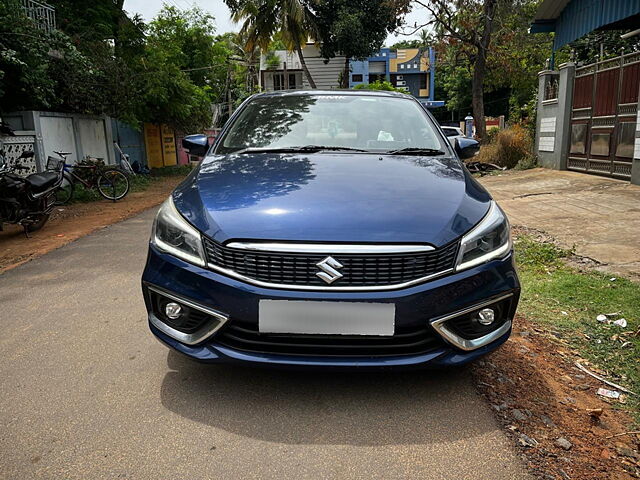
column 328, row 249
column 397, row 286
column 366, row 270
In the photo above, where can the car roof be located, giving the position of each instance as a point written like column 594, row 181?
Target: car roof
column 337, row 91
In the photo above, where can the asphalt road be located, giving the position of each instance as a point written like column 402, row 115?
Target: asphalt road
column 87, row 393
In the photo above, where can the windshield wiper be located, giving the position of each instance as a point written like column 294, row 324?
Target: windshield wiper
column 306, row 148
column 416, row 151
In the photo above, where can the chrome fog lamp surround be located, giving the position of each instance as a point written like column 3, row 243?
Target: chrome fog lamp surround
column 488, row 240
column 215, row 323
column 440, row 325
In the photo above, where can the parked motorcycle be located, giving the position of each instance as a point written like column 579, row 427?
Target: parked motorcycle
column 27, row 201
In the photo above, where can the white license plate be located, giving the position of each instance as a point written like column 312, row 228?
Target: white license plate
column 326, row 318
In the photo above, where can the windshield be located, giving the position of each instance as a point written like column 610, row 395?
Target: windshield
column 370, row 123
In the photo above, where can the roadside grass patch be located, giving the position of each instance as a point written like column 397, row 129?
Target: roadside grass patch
column 566, row 302
column 138, row 183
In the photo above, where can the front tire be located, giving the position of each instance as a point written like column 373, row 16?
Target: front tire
column 113, row 184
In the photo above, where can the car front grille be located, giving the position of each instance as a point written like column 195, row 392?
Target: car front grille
column 406, row 341
column 358, row 270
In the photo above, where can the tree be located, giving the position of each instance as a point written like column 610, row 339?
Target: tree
column 355, row 28
column 262, row 19
column 470, row 23
column 101, row 61
column 184, row 67
column 513, row 59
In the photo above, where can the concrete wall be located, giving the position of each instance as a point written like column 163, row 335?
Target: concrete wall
column 554, row 118
column 359, row 67
column 291, row 58
column 82, row 135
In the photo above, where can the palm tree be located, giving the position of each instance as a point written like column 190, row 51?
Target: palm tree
column 263, row 18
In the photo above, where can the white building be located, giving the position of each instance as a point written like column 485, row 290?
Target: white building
column 289, row 74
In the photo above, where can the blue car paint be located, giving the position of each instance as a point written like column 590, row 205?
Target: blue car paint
column 332, row 197
column 269, row 203
column 414, row 306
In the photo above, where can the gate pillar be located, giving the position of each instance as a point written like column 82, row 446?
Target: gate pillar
column 555, row 97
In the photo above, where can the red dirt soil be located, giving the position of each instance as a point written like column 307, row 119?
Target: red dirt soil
column 71, row 222
column 536, row 390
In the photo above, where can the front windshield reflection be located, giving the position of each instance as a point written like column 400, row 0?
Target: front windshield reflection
column 367, row 122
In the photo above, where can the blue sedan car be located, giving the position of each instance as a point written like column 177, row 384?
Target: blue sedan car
column 331, row 229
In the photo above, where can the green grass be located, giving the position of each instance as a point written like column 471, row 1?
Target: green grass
column 550, row 287
column 138, row 183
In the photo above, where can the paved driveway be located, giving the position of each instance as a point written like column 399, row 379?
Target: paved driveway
column 87, row 393
column 599, row 216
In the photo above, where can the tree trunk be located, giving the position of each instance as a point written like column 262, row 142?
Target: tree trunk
column 480, row 68
column 312, row 84
column 477, row 96
column 345, row 73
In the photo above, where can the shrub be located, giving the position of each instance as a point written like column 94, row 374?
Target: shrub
column 510, row 147
column 378, row 85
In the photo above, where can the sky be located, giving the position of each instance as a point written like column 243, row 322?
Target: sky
column 149, row 8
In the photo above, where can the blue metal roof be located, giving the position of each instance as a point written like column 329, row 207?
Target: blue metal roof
column 579, row 17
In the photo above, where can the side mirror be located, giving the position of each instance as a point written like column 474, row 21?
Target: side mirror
column 197, row 144
column 27, row 154
column 466, row 147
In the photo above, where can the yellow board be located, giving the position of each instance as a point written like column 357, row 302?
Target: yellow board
column 169, row 146
column 153, row 145
column 160, row 143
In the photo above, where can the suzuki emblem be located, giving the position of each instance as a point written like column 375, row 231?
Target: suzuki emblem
column 329, row 271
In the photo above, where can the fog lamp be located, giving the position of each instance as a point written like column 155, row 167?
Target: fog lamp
column 173, row 310
column 486, row 316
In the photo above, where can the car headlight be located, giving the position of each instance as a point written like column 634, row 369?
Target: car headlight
column 490, row 239
column 174, row 235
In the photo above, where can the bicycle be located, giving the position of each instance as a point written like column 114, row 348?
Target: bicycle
column 125, row 165
column 110, row 182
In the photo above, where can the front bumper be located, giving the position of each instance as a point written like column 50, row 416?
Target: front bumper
column 426, row 306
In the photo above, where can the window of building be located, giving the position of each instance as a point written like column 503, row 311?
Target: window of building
column 402, row 66
column 356, row 77
column 415, row 65
column 423, row 82
column 279, row 84
column 384, row 54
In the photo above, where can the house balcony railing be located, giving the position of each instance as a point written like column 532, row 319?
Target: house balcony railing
column 43, row 14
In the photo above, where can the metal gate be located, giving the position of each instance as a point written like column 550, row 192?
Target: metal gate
column 603, row 116
column 130, row 140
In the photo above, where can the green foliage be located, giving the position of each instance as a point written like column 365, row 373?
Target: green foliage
column 551, row 287
column 184, row 69
column 99, row 61
column 378, row 85
column 272, row 60
column 412, row 43
column 354, row 28
column 586, row 49
column 514, row 58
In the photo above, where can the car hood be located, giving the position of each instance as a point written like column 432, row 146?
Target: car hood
column 332, row 197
